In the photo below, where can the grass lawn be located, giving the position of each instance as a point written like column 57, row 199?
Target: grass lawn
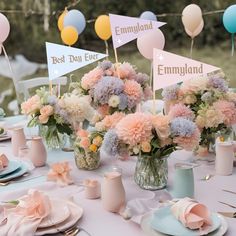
column 217, row 56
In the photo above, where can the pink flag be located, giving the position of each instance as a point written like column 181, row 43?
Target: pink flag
column 169, row 69
column 125, row 29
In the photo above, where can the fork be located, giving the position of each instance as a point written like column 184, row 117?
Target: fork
column 227, row 204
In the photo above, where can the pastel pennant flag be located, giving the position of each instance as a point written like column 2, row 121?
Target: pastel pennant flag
column 125, row 29
column 63, row 59
column 169, row 69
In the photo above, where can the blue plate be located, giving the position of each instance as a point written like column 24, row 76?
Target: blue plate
column 164, row 221
column 12, row 166
column 17, row 173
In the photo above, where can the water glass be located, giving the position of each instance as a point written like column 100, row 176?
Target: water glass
column 183, row 181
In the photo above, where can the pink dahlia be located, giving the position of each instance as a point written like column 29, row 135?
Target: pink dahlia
column 127, row 71
column 91, row 78
column 110, row 121
column 180, row 110
column 133, row 90
column 227, row 109
column 135, row 129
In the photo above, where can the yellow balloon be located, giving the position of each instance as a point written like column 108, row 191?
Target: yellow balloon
column 102, row 27
column 60, row 22
column 69, row 35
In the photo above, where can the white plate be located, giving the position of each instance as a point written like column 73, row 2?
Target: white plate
column 5, row 137
column 59, row 213
column 145, row 226
column 76, row 213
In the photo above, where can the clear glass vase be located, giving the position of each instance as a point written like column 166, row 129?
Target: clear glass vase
column 86, row 160
column 151, row 173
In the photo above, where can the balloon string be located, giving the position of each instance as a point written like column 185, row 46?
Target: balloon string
column 232, row 50
column 191, row 48
column 12, row 73
column 107, row 50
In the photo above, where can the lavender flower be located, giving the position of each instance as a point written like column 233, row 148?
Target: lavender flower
column 142, row 78
column 218, row 83
column 105, row 65
column 106, row 87
column 182, row 127
column 207, row 97
column 123, row 102
column 131, row 102
column 170, row 93
column 110, row 143
column 52, row 99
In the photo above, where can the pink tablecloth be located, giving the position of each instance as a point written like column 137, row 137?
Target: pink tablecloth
column 99, row 222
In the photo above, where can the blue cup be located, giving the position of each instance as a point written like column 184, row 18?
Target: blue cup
column 183, row 184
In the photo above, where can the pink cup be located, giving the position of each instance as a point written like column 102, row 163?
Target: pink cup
column 92, row 189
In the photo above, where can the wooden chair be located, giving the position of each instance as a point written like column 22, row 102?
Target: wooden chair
column 25, row 85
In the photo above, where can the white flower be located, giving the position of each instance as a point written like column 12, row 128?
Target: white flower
column 114, row 101
column 136, row 150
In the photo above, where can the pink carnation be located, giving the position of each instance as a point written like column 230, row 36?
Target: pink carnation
column 84, row 143
column 110, row 121
column 91, row 78
column 82, row 133
column 180, row 110
column 133, row 90
column 134, row 129
column 31, row 106
column 188, row 143
column 228, row 110
column 127, row 71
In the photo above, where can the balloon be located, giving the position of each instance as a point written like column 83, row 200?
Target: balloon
column 191, row 17
column 102, row 27
column 60, row 22
column 76, row 19
column 4, row 28
column 229, row 19
column 197, row 31
column 148, row 15
column 69, row 35
column 151, row 40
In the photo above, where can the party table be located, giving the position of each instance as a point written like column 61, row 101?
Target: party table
column 99, row 222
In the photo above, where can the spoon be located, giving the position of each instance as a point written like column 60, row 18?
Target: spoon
column 207, row 177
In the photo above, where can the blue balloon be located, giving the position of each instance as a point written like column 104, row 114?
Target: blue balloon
column 76, row 19
column 148, row 15
column 229, row 19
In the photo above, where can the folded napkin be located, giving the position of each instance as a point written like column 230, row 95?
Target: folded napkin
column 192, row 214
column 3, row 161
column 60, row 173
column 24, row 218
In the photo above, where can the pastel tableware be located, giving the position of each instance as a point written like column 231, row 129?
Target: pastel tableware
column 113, row 192
column 224, row 157
column 37, row 152
column 12, row 166
column 18, row 140
column 92, row 189
column 162, row 219
column 183, row 185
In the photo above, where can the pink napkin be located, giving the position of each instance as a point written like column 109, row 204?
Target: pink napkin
column 192, row 214
column 60, row 173
column 24, row 218
column 3, row 161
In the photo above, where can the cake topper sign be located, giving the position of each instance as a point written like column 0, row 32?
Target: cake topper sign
column 63, row 59
column 169, row 69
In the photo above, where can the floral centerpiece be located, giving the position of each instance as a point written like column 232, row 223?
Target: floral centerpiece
column 87, row 147
column 114, row 89
column 152, row 138
column 206, row 101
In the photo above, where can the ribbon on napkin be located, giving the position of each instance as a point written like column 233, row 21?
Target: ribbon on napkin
column 192, row 214
column 60, row 173
column 24, row 218
column 3, row 161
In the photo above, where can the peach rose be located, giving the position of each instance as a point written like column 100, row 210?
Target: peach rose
column 43, row 119
column 84, row 143
column 82, row 133
column 146, row 147
column 97, row 141
column 161, row 125
column 46, row 110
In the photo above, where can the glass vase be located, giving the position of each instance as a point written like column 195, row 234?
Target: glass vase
column 151, row 173
column 86, row 160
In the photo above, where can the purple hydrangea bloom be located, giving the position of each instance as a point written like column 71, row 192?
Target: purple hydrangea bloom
column 52, row 99
column 218, row 83
column 170, row 93
column 131, row 102
column 142, row 78
column 207, row 97
column 182, row 127
column 105, row 65
column 106, row 87
column 123, row 102
column 110, row 143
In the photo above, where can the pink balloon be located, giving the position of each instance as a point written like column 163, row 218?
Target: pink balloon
column 197, row 31
column 151, row 40
column 4, row 28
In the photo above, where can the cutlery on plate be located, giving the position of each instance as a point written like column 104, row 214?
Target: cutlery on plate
column 228, row 214
column 207, row 177
column 227, row 204
column 228, row 191
column 19, row 181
